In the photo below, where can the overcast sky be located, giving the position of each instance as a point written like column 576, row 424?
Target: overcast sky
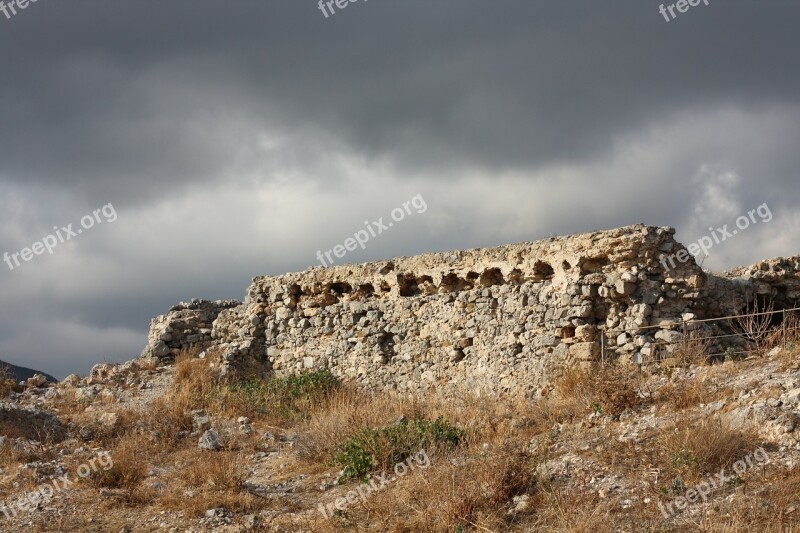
column 237, row 138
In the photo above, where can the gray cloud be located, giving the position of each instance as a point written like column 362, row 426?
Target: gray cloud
column 238, row 138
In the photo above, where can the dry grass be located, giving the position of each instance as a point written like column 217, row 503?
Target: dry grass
column 693, row 349
column 693, row 448
column 606, row 390
column 689, row 393
column 209, row 480
column 155, row 428
column 454, row 493
column 7, row 383
column 126, row 473
column 755, row 324
column 508, row 447
column 771, row 506
column 346, row 415
column 788, row 338
column 571, row 511
column 196, row 383
column 215, row 471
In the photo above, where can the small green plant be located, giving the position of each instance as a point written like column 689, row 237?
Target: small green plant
column 730, row 354
column 291, row 397
column 371, row 448
column 596, row 408
column 684, row 458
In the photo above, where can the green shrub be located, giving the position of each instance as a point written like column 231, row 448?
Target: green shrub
column 382, row 448
column 290, row 398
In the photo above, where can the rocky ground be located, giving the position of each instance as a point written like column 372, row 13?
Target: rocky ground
column 136, row 447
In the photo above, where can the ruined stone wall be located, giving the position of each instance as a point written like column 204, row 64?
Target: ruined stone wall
column 185, row 324
column 497, row 319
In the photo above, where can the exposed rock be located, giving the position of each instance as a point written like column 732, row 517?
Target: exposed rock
column 210, row 440
column 38, row 380
column 30, row 423
column 185, row 324
column 496, row 319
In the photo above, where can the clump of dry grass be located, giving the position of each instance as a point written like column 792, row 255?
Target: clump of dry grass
column 693, row 448
column 7, row 383
column 347, row 413
column 216, row 471
column 693, row 349
column 469, row 491
column 773, row 507
column 689, row 392
column 196, row 384
column 608, row 390
column 208, row 480
column 571, row 510
column 788, row 338
column 128, row 469
column 156, row 428
column 485, row 420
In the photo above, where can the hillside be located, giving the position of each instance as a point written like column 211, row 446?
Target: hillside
column 21, row 373
column 528, row 387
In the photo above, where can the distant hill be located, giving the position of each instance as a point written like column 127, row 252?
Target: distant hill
column 20, row 373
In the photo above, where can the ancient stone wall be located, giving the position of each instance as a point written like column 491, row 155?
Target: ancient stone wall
column 497, row 319
column 185, row 324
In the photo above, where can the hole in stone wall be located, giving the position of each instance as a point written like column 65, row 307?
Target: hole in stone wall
column 407, row 285
column 425, row 284
column 451, row 283
column 386, row 347
column 590, row 265
column 542, row 271
column 566, row 266
column 296, row 294
column 340, row 288
column 295, row 290
column 366, row 289
column 491, row 277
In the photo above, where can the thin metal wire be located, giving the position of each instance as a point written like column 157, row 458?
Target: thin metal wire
column 604, row 331
column 677, row 324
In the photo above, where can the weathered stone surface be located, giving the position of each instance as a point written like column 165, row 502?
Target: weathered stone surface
column 210, row 440
column 585, row 351
column 496, row 319
column 185, row 324
column 30, row 423
column 38, row 380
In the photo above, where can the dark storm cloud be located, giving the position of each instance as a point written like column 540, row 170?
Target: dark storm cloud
column 136, row 98
column 237, row 138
